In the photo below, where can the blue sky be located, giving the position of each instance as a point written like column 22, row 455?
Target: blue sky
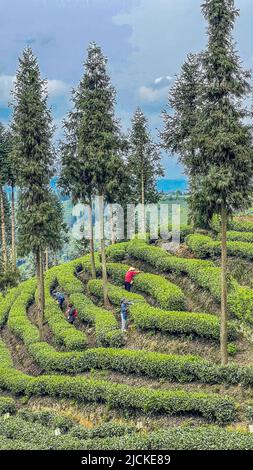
column 146, row 42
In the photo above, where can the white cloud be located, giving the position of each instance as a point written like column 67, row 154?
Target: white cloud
column 152, row 95
column 158, row 80
column 55, row 88
column 6, row 84
column 169, row 78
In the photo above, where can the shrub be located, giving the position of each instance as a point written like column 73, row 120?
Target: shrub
column 6, row 303
column 173, row 438
column 203, row 246
column 167, row 294
column 204, row 325
column 106, row 325
column 18, row 322
column 210, row 406
column 241, row 225
column 7, row 405
column 64, row 333
column 117, row 252
column 115, row 293
column 202, row 272
column 239, row 236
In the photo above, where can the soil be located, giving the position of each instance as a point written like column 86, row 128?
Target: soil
column 22, row 360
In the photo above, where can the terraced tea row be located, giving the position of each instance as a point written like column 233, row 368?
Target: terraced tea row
column 204, row 273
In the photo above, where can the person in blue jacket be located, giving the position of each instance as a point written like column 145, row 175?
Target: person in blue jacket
column 59, row 296
column 124, row 304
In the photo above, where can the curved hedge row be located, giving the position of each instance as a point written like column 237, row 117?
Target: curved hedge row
column 7, row 405
column 210, row 406
column 238, row 236
column 6, row 303
column 64, row 333
column 202, row 272
column 117, row 252
column 203, row 325
column 167, row 294
column 204, row 246
column 106, row 326
column 115, row 293
column 18, row 321
column 234, row 225
column 146, row 317
column 174, row 438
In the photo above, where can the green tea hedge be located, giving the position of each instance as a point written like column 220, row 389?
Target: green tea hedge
column 173, row 438
column 238, row 236
column 210, row 406
column 106, row 326
column 117, row 252
column 64, row 333
column 6, row 303
column 202, row 272
column 7, row 405
column 115, row 293
column 204, row 246
column 204, row 325
column 167, row 294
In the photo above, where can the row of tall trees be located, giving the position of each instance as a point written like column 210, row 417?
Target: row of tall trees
column 211, row 132
column 96, row 160
column 7, row 211
column 94, row 152
column 27, row 156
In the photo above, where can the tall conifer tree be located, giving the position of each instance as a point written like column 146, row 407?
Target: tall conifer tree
column 223, row 163
column 91, row 154
column 39, row 217
column 144, row 163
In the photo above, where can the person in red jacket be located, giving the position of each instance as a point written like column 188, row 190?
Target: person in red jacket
column 71, row 314
column 129, row 278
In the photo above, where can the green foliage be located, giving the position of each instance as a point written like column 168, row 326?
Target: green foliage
column 18, row 321
column 232, row 349
column 6, row 303
column 202, row 272
column 167, row 294
column 7, row 405
column 200, row 324
column 241, row 225
column 122, row 437
column 115, row 293
column 117, row 252
column 144, row 161
column 64, row 333
column 106, row 326
column 39, row 214
column 203, row 246
column 239, row 236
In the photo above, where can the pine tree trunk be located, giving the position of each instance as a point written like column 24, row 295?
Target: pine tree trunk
column 4, row 248
column 39, row 305
column 13, row 240
column 92, row 254
column 143, row 222
column 42, row 287
column 113, row 235
column 224, row 289
column 46, row 260
column 103, row 258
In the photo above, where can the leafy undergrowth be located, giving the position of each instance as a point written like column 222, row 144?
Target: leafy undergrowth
column 158, row 386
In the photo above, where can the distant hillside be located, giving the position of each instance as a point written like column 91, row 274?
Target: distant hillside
column 170, row 185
